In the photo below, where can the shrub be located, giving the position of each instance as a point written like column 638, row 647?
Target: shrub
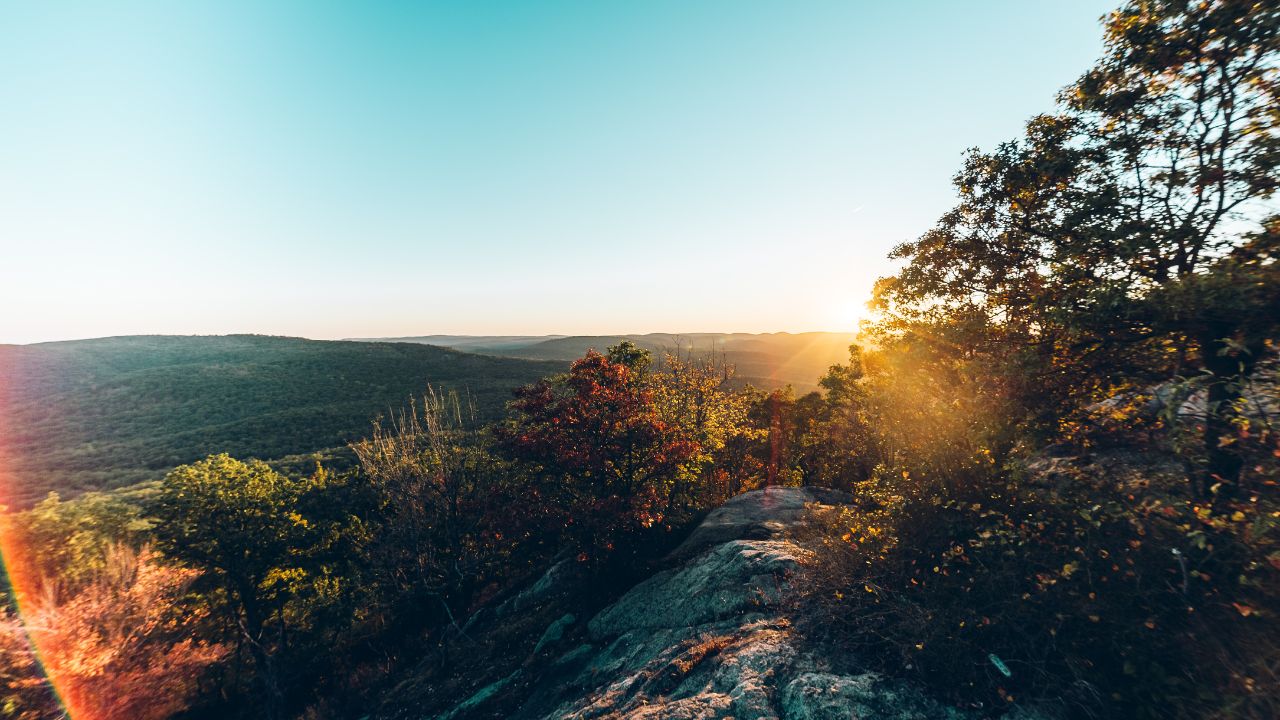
column 437, row 501
column 118, row 649
column 596, row 448
column 1103, row 597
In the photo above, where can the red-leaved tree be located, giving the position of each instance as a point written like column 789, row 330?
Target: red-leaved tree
column 593, row 439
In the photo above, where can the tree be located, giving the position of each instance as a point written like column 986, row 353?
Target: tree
column 597, row 447
column 248, row 530
column 775, row 415
column 690, row 395
column 1065, row 246
column 838, row 445
column 74, row 536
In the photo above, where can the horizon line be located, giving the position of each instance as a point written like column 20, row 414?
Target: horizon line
column 386, row 338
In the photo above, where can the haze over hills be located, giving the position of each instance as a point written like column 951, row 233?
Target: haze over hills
column 765, row 360
column 110, row 412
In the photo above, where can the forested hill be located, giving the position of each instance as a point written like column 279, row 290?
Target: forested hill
column 765, row 360
column 105, row 413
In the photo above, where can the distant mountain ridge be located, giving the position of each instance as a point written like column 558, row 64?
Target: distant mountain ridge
column 110, row 412
column 766, row 360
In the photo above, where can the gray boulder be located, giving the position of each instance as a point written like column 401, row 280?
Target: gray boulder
column 709, row 638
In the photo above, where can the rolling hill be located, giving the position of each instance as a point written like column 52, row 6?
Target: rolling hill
column 108, row 413
column 766, row 360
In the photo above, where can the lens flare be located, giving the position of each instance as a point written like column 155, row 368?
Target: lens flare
column 19, row 565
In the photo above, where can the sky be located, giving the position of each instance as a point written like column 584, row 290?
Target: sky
column 368, row 169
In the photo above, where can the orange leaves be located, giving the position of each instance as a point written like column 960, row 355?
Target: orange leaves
column 120, row 649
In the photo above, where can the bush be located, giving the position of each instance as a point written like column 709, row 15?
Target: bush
column 119, row 648
column 596, row 449
column 1099, row 595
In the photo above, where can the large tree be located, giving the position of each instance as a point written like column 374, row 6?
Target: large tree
column 1088, row 247
column 266, row 542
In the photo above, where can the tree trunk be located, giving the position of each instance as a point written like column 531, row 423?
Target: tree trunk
column 273, row 698
column 1223, row 463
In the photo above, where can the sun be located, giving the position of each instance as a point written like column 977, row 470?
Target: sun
column 846, row 314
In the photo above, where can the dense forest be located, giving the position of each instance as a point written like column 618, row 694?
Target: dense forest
column 108, row 413
column 764, row 360
column 1057, row 437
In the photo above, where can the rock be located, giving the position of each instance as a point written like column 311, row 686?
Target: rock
column 553, row 582
column 709, row 638
column 824, row 696
column 737, row 577
column 555, row 632
column 481, row 696
column 755, row 516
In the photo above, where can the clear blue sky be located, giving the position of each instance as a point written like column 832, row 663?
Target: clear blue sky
column 386, row 168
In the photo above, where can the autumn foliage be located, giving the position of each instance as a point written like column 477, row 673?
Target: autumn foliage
column 599, row 451
column 1072, row 388
column 119, row 648
column 1058, row 435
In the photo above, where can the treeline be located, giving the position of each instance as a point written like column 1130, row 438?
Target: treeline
column 237, row 590
column 108, row 413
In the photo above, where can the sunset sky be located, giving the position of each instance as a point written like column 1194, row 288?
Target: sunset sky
column 372, row 169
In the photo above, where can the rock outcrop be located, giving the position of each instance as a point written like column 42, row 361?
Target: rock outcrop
column 708, row 637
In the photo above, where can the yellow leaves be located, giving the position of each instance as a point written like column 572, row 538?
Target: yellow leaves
column 1069, row 569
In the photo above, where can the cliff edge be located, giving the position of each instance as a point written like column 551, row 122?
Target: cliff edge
column 710, row 636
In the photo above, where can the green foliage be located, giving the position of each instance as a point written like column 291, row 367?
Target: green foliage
column 439, row 528
column 1107, row 282
column 691, row 396
column 100, row 414
column 273, row 549
column 72, row 537
column 1102, row 597
column 1111, row 244
column 820, row 438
